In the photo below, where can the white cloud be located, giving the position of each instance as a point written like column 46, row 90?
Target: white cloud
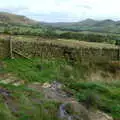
column 68, row 10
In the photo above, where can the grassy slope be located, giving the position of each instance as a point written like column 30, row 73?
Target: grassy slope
column 103, row 95
column 73, row 43
column 63, row 42
column 12, row 18
column 20, row 105
column 35, row 70
column 86, row 25
column 23, row 99
column 108, row 26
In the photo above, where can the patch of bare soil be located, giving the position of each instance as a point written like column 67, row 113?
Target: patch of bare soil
column 8, row 99
column 8, row 78
column 69, row 109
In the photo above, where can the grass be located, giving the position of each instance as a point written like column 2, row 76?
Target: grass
column 98, row 94
column 103, row 96
column 60, row 42
column 21, row 100
column 35, row 70
column 78, row 44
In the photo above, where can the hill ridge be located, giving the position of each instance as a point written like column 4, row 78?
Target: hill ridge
column 6, row 17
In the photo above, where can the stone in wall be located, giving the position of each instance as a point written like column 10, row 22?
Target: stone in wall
column 4, row 48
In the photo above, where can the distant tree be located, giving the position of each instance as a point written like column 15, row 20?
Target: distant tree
column 117, row 42
column 6, row 30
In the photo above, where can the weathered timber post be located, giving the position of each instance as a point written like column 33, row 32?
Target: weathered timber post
column 118, row 44
column 119, row 50
column 10, row 47
column 119, row 53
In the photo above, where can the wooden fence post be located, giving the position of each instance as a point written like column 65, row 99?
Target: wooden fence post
column 10, row 46
column 118, row 50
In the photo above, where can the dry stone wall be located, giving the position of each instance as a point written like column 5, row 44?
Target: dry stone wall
column 46, row 50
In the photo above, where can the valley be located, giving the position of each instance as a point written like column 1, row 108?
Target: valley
column 59, row 71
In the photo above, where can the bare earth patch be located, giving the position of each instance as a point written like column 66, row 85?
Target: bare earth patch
column 54, row 92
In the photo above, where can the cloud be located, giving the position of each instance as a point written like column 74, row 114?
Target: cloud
column 63, row 10
column 55, row 17
column 14, row 9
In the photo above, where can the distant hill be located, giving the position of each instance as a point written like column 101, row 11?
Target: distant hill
column 13, row 18
column 87, row 22
column 89, row 25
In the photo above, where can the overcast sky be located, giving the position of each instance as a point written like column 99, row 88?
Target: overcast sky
column 63, row 10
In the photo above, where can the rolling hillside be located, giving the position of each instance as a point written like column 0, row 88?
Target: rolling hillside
column 89, row 25
column 12, row 18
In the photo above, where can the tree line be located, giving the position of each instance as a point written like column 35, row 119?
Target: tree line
column 50, row 32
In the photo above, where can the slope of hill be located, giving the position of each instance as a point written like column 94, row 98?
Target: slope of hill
column 89, row 25
column 13, row 18
column 106, row 22
column 107, row 25
column 87, row 22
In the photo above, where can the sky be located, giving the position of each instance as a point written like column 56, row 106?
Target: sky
column 63, row 10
